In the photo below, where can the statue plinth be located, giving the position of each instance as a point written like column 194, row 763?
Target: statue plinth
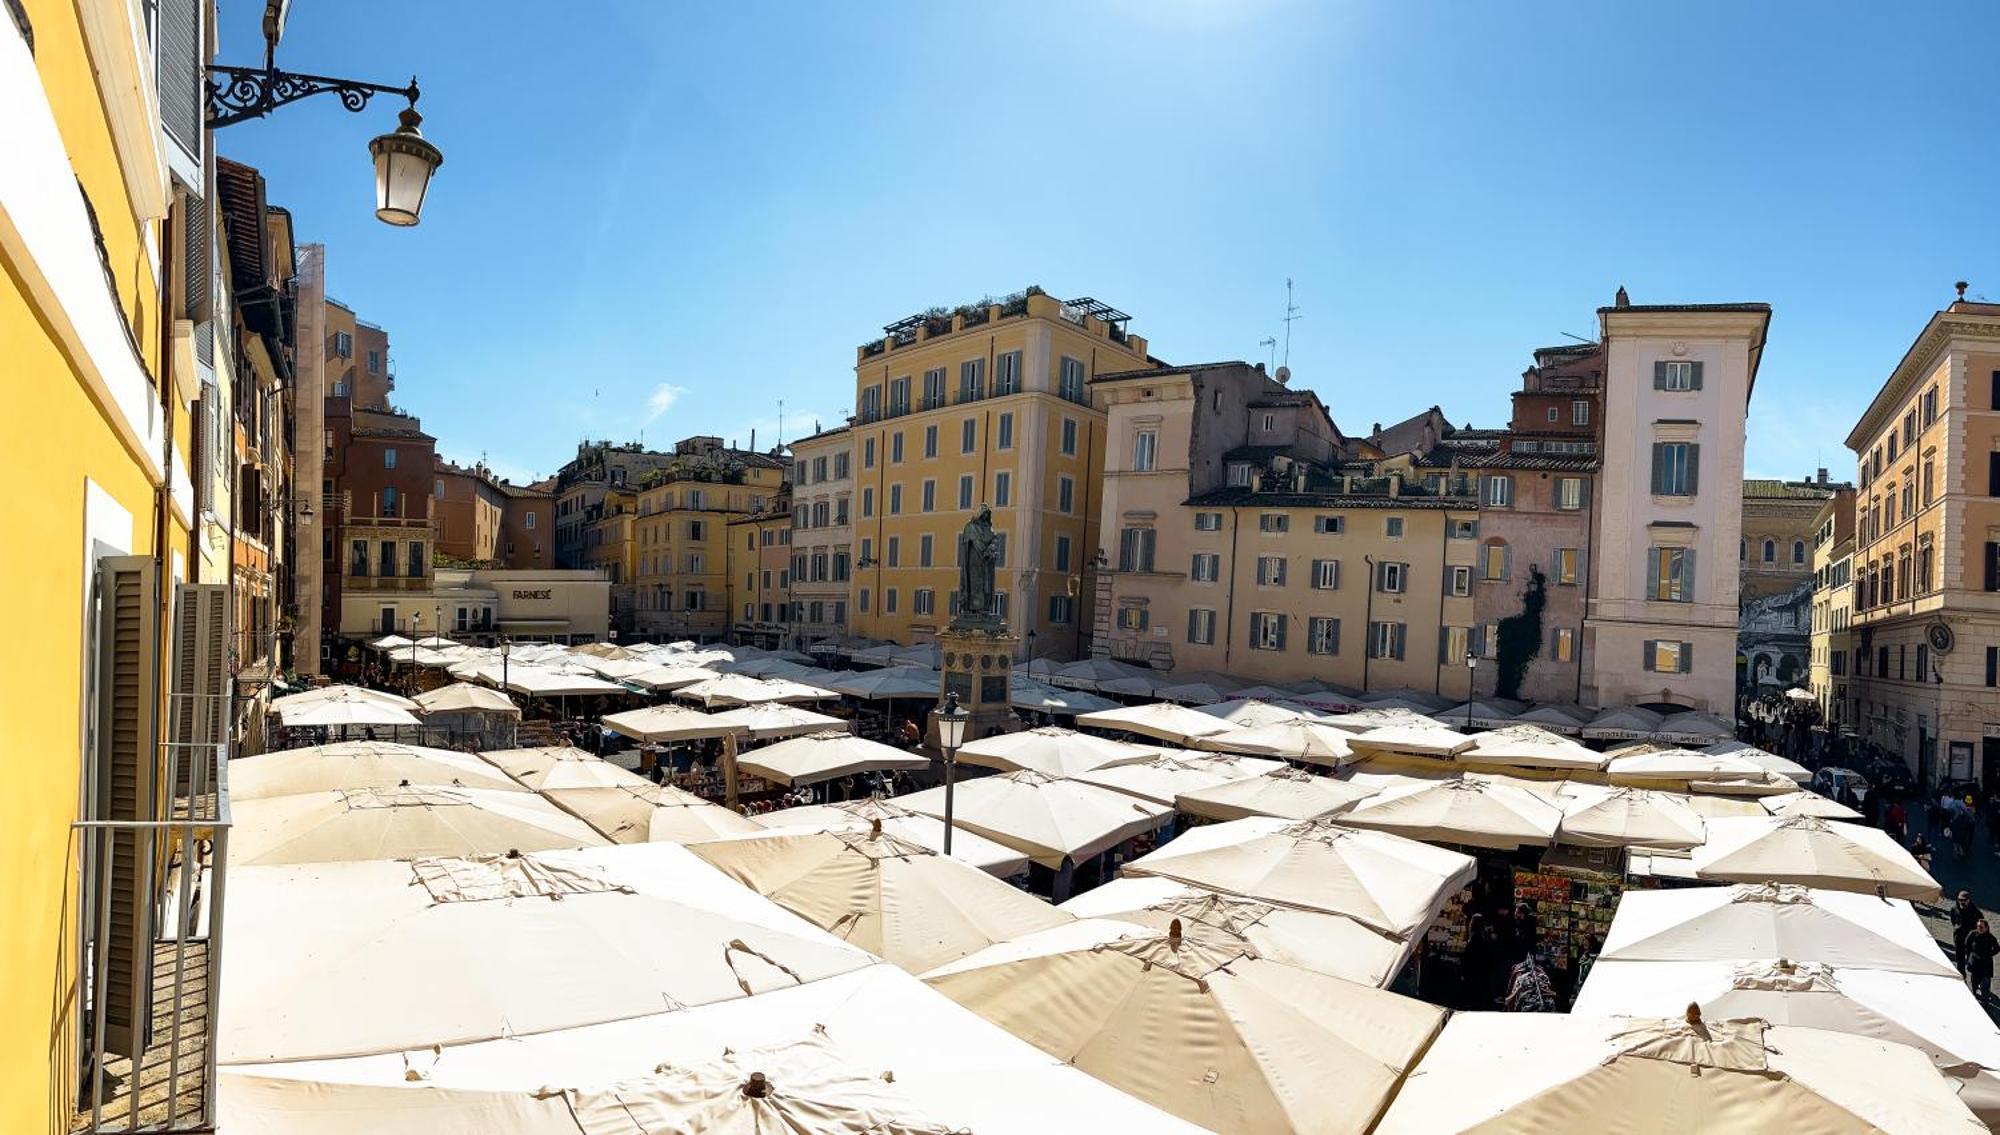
column 976, row 658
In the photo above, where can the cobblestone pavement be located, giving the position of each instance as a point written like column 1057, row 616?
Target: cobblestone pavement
column 1978, row 872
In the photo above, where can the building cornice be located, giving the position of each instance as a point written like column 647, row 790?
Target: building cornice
column 1917, row 362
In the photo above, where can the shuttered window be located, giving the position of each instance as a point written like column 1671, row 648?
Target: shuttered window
column 1676, row 468
column 1676, row 374
column 126, row 759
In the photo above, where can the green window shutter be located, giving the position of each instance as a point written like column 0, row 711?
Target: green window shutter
column 1506, row 561
column 1282, row 620
column 1586, row 492
column 1687, row 657
column 1687, row 575
column 1694, row 378
column 1659, row 374
column 1694, row 468
column 1647, row 658
column 1398, row 632
column 1659, row 466
column 1653, row 573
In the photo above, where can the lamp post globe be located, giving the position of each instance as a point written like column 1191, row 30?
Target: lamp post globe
column 951, row 734
column 404, row 163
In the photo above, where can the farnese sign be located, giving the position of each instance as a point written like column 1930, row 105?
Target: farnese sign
column 543, row 593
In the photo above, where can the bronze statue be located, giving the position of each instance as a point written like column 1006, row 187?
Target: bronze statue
column 978, row 555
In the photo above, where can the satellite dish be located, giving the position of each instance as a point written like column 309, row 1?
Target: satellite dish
column 1284, row 375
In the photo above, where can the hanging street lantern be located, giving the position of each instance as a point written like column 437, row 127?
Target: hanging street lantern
column 404, row 163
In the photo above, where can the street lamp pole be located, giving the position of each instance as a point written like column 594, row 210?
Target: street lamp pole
column 951, row 733
column 1471, row 667
column 416, row 624
column 506, row 648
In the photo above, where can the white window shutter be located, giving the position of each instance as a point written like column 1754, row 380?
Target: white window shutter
column 180, row 44
column 197, row 708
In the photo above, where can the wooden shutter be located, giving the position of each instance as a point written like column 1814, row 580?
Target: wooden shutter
column 1659, row 466
column 1396, row 637
column 198, row 270
column 196, row 710
column 1649, row 648
column 1687, row 575
column 1282, row 620
column 1694, row 376
column 1506, row 561
column 1659, row 374
column 1993, row 474
column 179, row 45
column 1687, row 657
column 126, row 757
column 1993, row 565
column 1694, row 463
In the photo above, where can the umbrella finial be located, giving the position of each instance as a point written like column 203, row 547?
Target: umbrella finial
column 756, row 1087
column 875, row 828
column 1174, row 933
column 1694, row 1014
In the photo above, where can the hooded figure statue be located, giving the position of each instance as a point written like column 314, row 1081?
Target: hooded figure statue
column 978, row 552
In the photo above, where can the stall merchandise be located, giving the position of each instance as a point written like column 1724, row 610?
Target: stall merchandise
column 1573, row 892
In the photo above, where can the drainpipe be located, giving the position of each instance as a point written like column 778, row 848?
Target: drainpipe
column 1368, row 623
column 1589, row 581
column 1437, row 672
column 1229, row 631
column 163, row 496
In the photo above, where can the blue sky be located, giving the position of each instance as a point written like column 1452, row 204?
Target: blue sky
column 668, row 217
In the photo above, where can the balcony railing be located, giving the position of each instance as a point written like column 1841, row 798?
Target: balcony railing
column 182, row 857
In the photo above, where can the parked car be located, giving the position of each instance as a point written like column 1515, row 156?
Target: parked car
column 1891, row 775
column 1828, row 782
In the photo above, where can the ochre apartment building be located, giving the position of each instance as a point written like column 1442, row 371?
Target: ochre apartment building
column 681, row 585
column 986, row 405
column 822, row 535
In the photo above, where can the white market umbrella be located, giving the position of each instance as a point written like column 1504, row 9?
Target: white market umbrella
column 993, row 858
column 398, row 823
column 616, row 669
column 666, row 723
column 548, row 767
column 1142, row 685
column 1795, row 804
column 606, row 650
column 771, row 719
column 738, row 689
column 1365, row 719
column 1196, row 1023
column 384, row 957
column 1622, row 723
column 1537, row 1072
column 358, row 765
column 346, row 709
column 1620, row 817
column 1681, row 764
column 1050, row 750
column 392, row 642
column 1393, row 884
column 1043, row 698
column 1567, row 720
column 653, row 813
column 1770, row 762
column 464, row 697
column 1309, row 939
column 1298, row 739
column 546, row 682
column 1528, row 746
column 1287, row 793
column 1164, row 720
column 1477, row 813
column 898, row 900
column 1812, row 852
column 1088, row 673
column 1424, row 701
column 437, row 642
column 1046, row 819
column 1426, row 740
column 670, row 677
column 340, row 693
column 1932, row 1013
column 825, row 756
column 1160, row 779
column 1253, row 713
column 1482, row 713
column 1711, row 807
column 1773, row 920
column 896, row 682
column 1195, row 693
column 1693, row 728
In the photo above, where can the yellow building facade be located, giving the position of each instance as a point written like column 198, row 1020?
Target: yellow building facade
column 100, row 355
column 986, row 405
column 681, row 555
column 760, row 575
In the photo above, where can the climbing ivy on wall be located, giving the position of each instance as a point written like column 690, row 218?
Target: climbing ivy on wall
column 1521, row 636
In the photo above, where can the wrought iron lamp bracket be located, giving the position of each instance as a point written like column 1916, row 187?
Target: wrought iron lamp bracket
column 237, row 94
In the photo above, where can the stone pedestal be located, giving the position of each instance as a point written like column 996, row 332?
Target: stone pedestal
column 977, row 661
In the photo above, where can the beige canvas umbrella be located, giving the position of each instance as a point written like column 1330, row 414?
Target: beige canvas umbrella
column 652, row 813
column 398, row 823
column 1165, row 720
column 1477, row 813
column 773, row 720
column 1427, row 740
column 1711, row 807
column 286, row 1105
column 615, row 669
column 391, row 642
column 1195, row 1023
column 898, row 900
column 1681, row 764
column 1764, row 784
column 1784, row 804
column 349, row 959
column 1528, row 746
column 826, row 756
column 608, row 650
column 666, row 723
column 560, row 767
column 1501, row 1073
column 1309, row 939
column 1771, row 762
column 1812, row 852
column 993, row 858
column 1392, row 884
column 729, row 690
column 358, row 765
column 464, row 697
column 1051, row 751
column 1773, row 920
column 1253, row 713
column 1044, row 818
column 804, row 1087
column 1297, row 739
column 1620, row 817
column 671, row 676
column 343, row 705
column 1289, row 793
column 1160, row 779
column 1364, row 719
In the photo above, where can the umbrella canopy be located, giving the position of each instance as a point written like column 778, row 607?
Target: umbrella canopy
column 1770, row 762
column 1392, row 884
column 1043, row 698
column 1773, row 920
column 896, row 682
column 1484, row 713
column 1197, row 693
column 1812, row 852
column 995, row 859
column 285, row 1105
column 1620, row 817
column 382, row 957
column 670, row 677
column 616, row 669
column 1710, row 807
column 341, row 693
column 436, row 642
column 433, row 659
column 358, row 765
column 1169, row 722
column 1932, row 1013
column 560, row 767
column 1288, row 793
column 1478, row 813
column 651, row 813
column 1426, row 740
column 1309, row 939
column 1144, row 684
column 1528, row 746
column 1050, row 750
column 1567, row 720
column 1298, row 739
column 1253, row 713
column 398, row 823
column 770, row 719
column 1692, row 728
column 347, row 707
column 392, row 642
column 1196, row 1023
column 667, row 723
column 1160, row 779
column 805, row 1086
column 1536, row 1072
column 1362, row 720
column 1784, row 804
column 898, row 900
column 548, row 682
column 1046, row 819
column 464, row 697
column 1681, row 764
column 739, row 689
column 1622, row 723
column 824, row 756
column 1089, row 672
column 606, row 650
column 1425, row 700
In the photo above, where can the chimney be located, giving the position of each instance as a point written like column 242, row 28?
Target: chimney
column 1821, row 477
column 1621, row 300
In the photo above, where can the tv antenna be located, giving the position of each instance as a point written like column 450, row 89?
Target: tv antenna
column 1268, row 341
column 1291, row 313
column 781, row 423
column 1578, row 338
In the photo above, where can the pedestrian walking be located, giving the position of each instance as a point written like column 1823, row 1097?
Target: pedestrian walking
column 1964, row 916
column 1530, row 991
column 1920, row 850
column 1980, row 947
column 1895, row 819
column 1961, row 833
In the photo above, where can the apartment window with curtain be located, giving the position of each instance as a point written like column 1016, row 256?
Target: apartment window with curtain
column 1565, row 644
column 1133, row 617
column 1676, row 375
column 1267, row 630
column 1665, row 656
column 1568, row 566
column 1135, row 549
column 1670, row 574
column 1571, row 493
column 1069, row 383
column 1208, row 522
column 1206, row 567
column 1385, row 640
column 1007, row 373
column 1675, row 468
column 1499, row 492
column 1322, row 635
column 1270, row 571
column 933, row 388
column 1495, row 560
column 1201, row 626
column 1454, row 644
column 971, row 380
column 1145, row 451
column 357, row 561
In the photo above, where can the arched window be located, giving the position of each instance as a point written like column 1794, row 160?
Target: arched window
column 1798, row 552
column 1770, row 551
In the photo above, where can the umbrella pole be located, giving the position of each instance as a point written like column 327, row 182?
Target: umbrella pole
column 729, row 769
